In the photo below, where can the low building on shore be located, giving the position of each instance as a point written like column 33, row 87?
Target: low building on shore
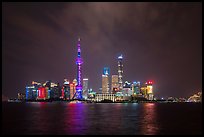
column 102, row 96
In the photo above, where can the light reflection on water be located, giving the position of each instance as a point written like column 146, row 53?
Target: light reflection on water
column 110, row 118
column 148, row 123
column 74, row 119
column 100, row 118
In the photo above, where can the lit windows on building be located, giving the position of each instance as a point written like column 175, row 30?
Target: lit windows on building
column 105, row 84
column 73, row 88
column 100, row 97
column 136, row 88
column 85, row 88
column 120, row 72
column 66, row 88
column 114, row 83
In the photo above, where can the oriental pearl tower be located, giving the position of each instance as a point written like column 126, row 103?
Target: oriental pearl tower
column 79, row 62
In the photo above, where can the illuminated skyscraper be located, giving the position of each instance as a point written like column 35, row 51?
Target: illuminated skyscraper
column 150, row 94
column 114, row 83
column 105, row 84
column 85, row 84
column 66, row 88
column 79, row 62
column 120, row 72
column 73, row 88
column 85, row 88
column 41, row 93
column 147, row 90
column 136, row 88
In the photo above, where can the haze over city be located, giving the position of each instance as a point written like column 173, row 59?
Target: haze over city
column 159, row 42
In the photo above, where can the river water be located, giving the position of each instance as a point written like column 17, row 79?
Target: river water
column 63, row 118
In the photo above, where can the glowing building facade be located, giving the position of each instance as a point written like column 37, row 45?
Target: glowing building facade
column 66, row 90
column 136, row 88
column 147, row 90
column 105, row 80
column 120, row 72
column 127, row 89
column 32, row 91
column 73, row 88
column 114, row 83
column 105, row 84
column 41, row 93
column 79, row 62
column 106, row 71
column 150, row 95
column 85, row 88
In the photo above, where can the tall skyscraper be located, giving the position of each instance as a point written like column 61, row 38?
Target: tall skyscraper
column 85, row 84
column 85, row 88
column 150, row 90
column 120, row 72
column 114, row 83
column 105, row 80
column 136, row 88
column 66, row 88
column 105, row 84
column 79, row 62
column 73, row 88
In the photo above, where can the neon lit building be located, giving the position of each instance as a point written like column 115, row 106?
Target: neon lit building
column 150, row 95
column 73, row 88
column 106, row 71
column 29, row 92
column 79, row 62
column 120, row 72
column 32, row 91
column 136, row 88
column 55, row 91
column 105, row 80
column 147, row 90
column 66, row 88
column 41, row 93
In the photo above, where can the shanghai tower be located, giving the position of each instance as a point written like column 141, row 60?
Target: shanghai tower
column 79, row 62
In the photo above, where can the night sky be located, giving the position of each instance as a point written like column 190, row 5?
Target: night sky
column 159, row 41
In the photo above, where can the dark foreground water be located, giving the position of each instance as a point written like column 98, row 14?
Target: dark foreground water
column 101, row 118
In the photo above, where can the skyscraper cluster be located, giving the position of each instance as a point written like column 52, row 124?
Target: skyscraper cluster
column 116, row 90
column 124, row 90
column 68, row 91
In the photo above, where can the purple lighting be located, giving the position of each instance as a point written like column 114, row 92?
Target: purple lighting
column 79, row 62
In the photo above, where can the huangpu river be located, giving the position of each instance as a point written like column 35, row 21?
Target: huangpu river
column 63, row 118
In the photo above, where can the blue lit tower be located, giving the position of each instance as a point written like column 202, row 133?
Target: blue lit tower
column 79, row 62
column 120, row 72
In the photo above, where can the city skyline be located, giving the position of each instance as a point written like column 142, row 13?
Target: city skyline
column 42, row 47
